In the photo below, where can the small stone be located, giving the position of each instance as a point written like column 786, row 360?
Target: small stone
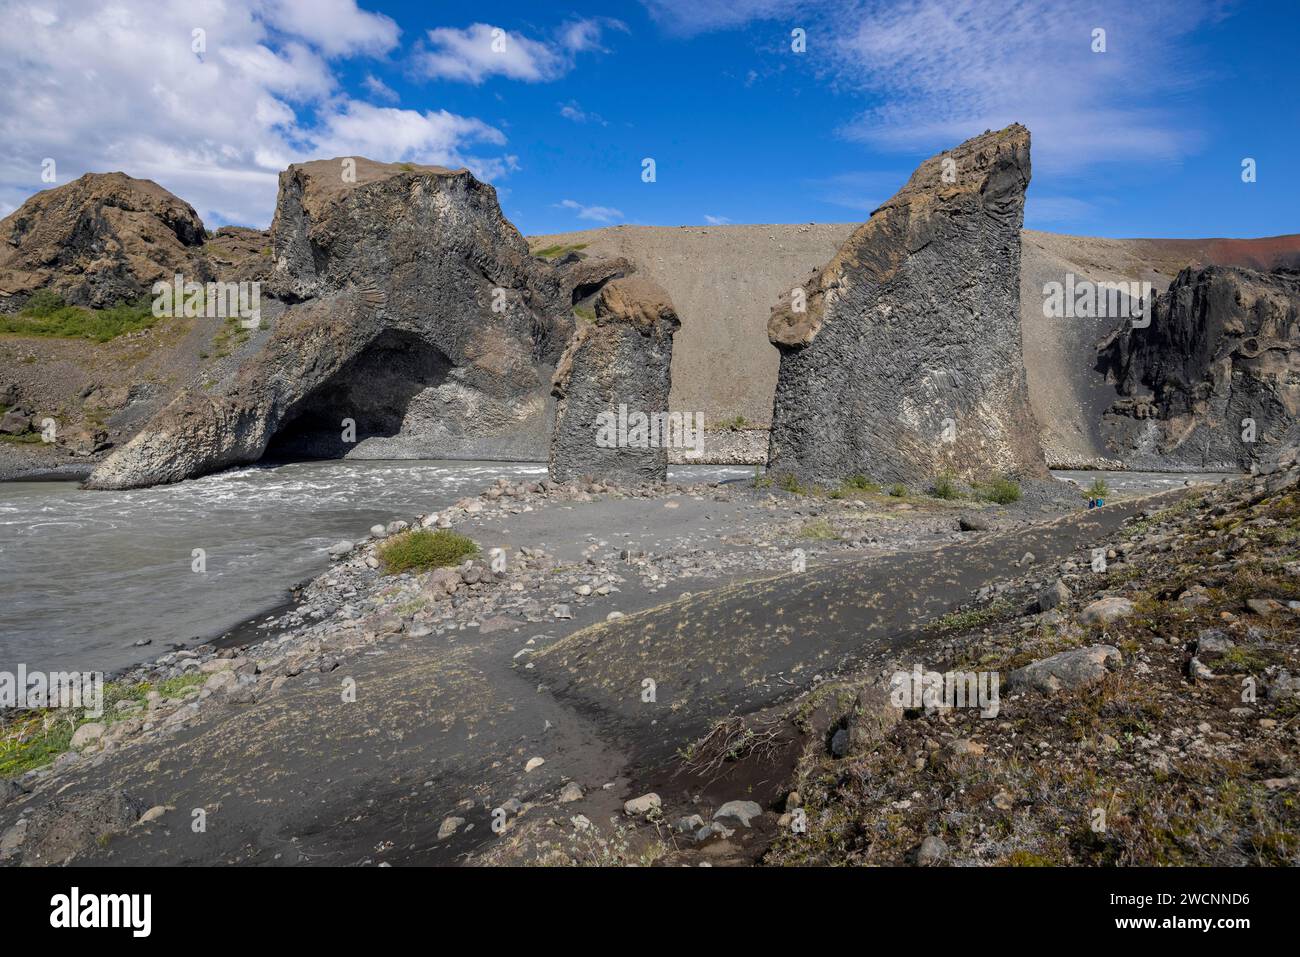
column 840, row 742
column 1069, row 669
column 933, row 851
column 737, row 812
column 643, row 805
column 86, row 735
column 571, row 792
column 1057, row 593
column 154, row 813
column 688, row 825
column 1105, row 610
column 449, row 826
column 533, row 764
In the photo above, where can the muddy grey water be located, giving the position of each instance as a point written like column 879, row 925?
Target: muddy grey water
column 85, row 575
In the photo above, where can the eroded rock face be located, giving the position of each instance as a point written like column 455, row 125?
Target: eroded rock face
column 419, row 326
column 614, row 373
column 1214, row 380
column 99, row 240
column 901, row 359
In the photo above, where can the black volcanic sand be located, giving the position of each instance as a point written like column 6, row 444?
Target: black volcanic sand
column 301, row 777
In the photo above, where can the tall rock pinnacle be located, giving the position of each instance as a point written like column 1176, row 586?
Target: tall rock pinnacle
column 901, row 358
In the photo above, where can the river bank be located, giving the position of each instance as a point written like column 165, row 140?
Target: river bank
column 452, row 694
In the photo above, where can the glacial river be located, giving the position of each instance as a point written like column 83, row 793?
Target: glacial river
column 85, row 575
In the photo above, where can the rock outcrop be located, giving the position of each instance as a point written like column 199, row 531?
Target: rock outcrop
column 612, row 421
column 97, row 241
column 901, row 359
column 1213, row 382
column 418, row 326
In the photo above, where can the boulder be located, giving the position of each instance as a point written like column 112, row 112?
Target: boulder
column 901, row 359
column 612, row 421
column 1069, row 669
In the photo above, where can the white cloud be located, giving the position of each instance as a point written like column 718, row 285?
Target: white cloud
column 100, row 87
column 379, row 89
column 574, row 111
column 941, row 71
column 481, row 50
column 335, row 26
column 716, row 220
column 599, row 214
column 948, row 69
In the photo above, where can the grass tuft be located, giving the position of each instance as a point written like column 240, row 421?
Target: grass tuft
column 423, row 549
column 48, row 316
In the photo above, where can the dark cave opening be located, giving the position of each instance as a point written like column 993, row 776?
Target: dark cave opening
column 373, row 390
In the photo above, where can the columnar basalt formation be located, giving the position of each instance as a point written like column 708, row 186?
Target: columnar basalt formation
column 1213, row 381
column 418, row 326
column 612, row 421
column 901, row 359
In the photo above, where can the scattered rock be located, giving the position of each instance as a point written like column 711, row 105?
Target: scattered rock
column 643, row 805
column 1069, row 669
column 737, row 812
column 1105, row 610
column 1057, row 593
column 572, row 791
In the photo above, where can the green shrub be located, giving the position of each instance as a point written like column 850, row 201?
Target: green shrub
column 1003, row 491
column 559, row 250
column 1098, row 489
column 860, row 483
column 424, row 549
column 46, row 314
column 945, row 488
column 789, row 483
column 898, row 490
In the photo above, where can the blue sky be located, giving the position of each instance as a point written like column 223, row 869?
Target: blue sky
column 1144, row 139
